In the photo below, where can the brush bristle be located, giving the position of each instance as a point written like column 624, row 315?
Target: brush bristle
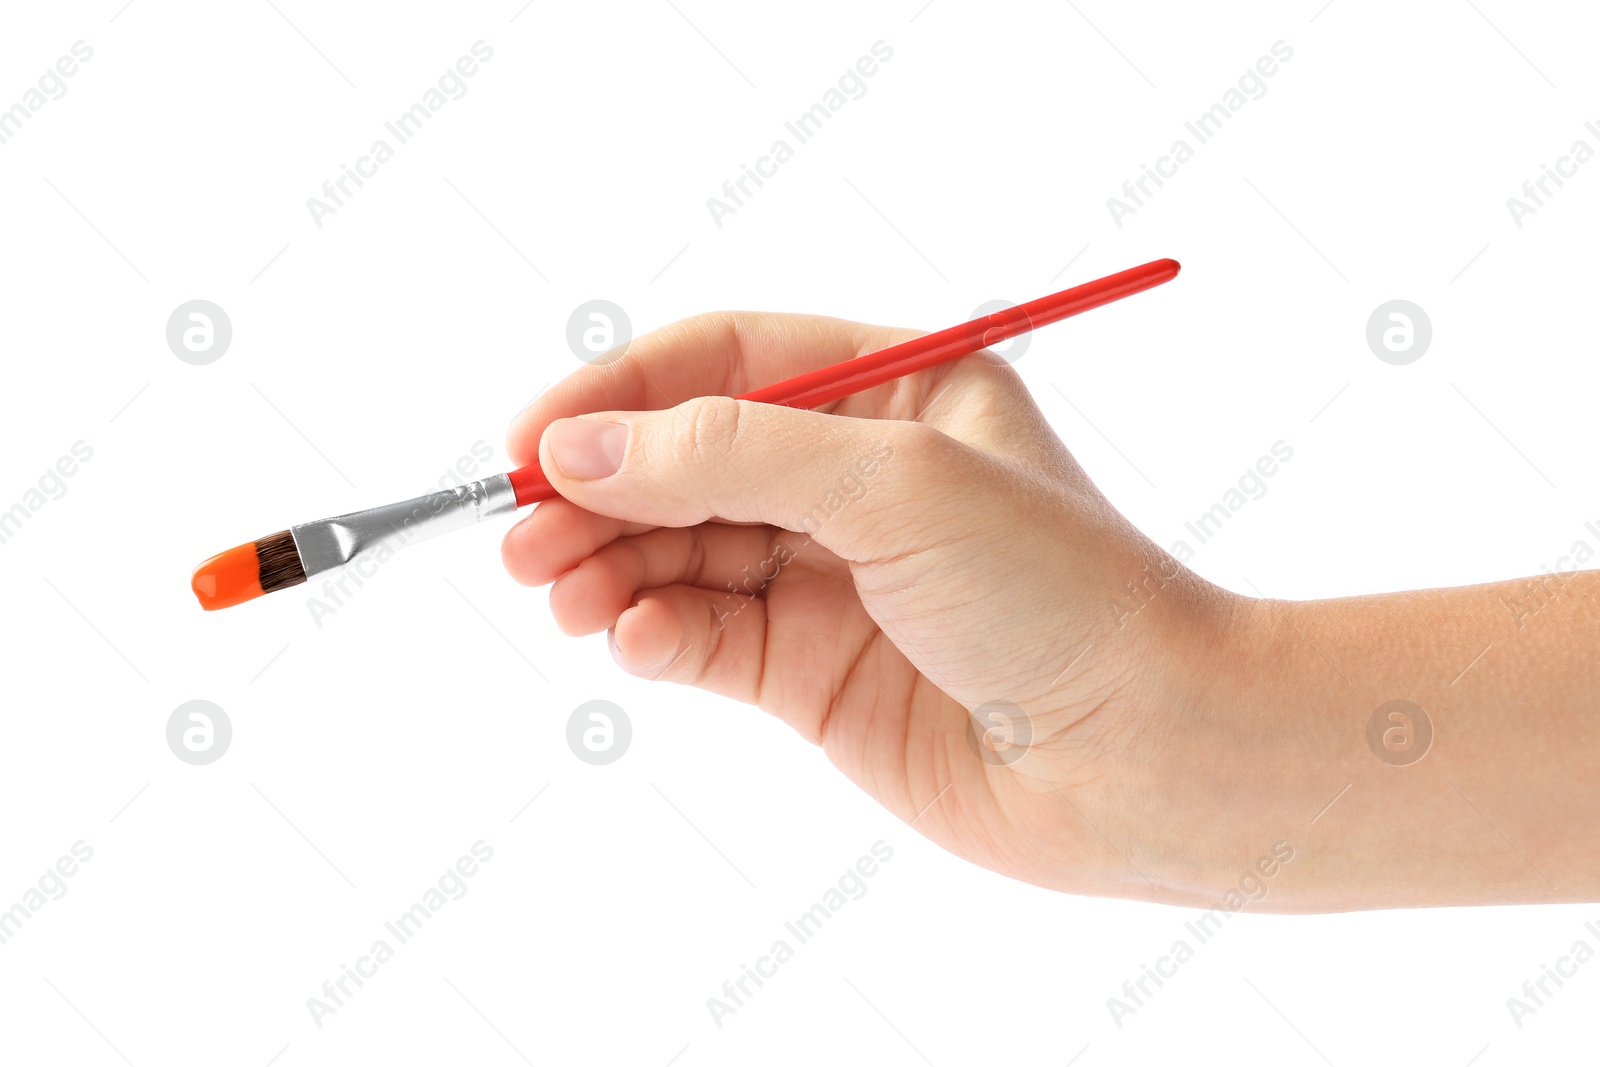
column 280, row 562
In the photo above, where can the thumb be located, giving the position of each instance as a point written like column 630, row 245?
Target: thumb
column 866, row 489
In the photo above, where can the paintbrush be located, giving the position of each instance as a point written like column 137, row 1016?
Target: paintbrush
column 287, row 558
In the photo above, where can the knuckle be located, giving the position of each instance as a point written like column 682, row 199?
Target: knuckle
column 917, row 443
column 707, row 428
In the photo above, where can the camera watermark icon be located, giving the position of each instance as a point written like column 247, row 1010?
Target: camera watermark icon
column 1399, row 733
column 199, row 332
column 999, row 733
column 199, row 732
column 598, row 331
column 599, row 732
column 1399, row 332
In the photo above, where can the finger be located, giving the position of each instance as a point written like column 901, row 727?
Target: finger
column 865, row 489
column 557, row 537
column 694, row 637
column 728, row 560
column 722, row 353
column 697, row 637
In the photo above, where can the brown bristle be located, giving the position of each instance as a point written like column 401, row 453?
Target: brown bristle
column 280, row 562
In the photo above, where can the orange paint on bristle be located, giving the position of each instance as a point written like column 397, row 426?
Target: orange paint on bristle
column 228, row 578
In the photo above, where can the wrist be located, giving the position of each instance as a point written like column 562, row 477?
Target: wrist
column 1250, row 757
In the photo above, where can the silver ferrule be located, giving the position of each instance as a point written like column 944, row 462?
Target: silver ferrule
column 329, row 543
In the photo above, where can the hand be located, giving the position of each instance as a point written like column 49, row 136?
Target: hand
column 925, row 583
column 873, row 577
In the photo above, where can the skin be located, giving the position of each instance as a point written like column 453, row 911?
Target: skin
column 922, row 582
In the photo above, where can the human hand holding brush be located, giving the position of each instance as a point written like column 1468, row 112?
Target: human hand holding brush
column 922, row 580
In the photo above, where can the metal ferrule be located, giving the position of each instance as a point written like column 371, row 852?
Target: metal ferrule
column 329, row 543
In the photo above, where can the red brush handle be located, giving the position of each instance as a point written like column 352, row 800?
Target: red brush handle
column 823, row 386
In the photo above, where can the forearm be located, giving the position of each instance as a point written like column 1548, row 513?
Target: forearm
column 1498, row 806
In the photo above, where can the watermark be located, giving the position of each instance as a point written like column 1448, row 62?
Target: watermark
column 851, row 85
column 466, row 465
column 1537, row 192
column 1252, row 485
column 1251, row 888
column 599, row 732
column 852, row 487
column 737, row 992
column 335, row 592
column 199, row 332
column 1399, row 733
column 999, row 732
column 1536, row 992
column 199, row 732
column 1252, row 85
column 52, row 85
column 51, row 885
column 451, row 85
column 451, row 885
column 1008, row 351
column 51, row 485
column 1536, row 593
column 1399, row 332
column 751, row 582
column 1139, row 594
column 598, row 331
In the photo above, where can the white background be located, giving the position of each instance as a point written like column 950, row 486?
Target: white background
column 370, row 752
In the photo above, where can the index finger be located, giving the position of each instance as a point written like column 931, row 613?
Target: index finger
column 726, row 353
